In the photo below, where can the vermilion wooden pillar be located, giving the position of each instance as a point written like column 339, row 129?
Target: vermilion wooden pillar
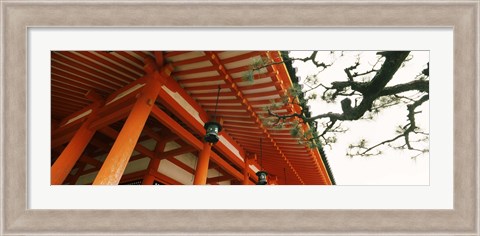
column 248, row 159
column 118, row 157
column 70, row 155
column 148, row 179
column 245, row 172
column 201, row 171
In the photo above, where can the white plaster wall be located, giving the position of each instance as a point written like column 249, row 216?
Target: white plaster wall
column 171, row 170
column 87, row 167
column 87, row 179
column 188, row 159
column 213, row 173
column 166, row 167
column 171, row 146
column 101, row 157
column 227, row 182
column 137, row 165
column 149, row 144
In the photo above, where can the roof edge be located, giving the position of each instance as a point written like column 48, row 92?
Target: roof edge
column 293, row 76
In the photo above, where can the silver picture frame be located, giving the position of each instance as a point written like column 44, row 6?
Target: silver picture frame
column 18, row 16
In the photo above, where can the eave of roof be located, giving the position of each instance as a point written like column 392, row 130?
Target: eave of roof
column 198, row 81
column 293, row 76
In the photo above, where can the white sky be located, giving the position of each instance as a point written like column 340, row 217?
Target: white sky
column 393, row 167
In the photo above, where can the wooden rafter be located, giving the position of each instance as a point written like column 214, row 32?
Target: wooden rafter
column 245, row 103
column 118, row 78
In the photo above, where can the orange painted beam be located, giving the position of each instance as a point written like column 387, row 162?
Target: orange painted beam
column 164, row 179
column 226, row 166
column 62, row 139
column 154, row 163
column 93, row 96
column 215, row 166
column 159, row 138
column 63, row 123
column 201, row 171
column 138, row 156
column 182, row 165
column 111, row 118
column 175, row 152
column 107, row 110
column 123, row 90
column 176, row 128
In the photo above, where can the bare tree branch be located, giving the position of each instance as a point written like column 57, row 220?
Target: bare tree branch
column 409, row 128
column 374, row 95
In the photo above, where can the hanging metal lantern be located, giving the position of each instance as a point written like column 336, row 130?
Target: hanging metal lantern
column 212, row 129
column 262, row 177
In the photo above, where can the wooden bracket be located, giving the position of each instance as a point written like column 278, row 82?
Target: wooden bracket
column 159, row 58
column 251, row 156
column 93, row 96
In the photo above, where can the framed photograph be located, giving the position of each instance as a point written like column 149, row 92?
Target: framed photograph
column 38, row 37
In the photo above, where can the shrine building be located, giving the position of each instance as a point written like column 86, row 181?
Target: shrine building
column 176, row 118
